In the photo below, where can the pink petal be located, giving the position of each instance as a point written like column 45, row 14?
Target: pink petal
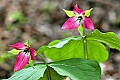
column 32, row 53
column 87, row 23
column 76, row 10
column 21, row 60
column 71, row 23
column 18, row 46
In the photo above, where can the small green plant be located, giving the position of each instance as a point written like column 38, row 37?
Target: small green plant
column 76, row 57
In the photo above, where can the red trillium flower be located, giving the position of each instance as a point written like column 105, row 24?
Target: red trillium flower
column 23, row 56
column 78, row 18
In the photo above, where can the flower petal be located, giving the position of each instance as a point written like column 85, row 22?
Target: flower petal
column 18, row 46
column 87, row 23
column 76, row 10
column 71, row 23
column 32, row 53
column 21, row 60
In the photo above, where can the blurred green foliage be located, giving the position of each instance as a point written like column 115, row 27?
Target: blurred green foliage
column 16, row 18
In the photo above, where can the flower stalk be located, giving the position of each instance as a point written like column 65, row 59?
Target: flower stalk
column 48, row 69
column 85, row 48
column 85, row 45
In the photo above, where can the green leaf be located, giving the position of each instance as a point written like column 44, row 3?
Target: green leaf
column 53, row 42
column 61, row 43
column 87, row 12
column 69, row 13
column 73, row 47
column 31, row 73
column 96, row 51
column 81, row 70
column 81, row 29
column 54, row 75
column 78, row 69
column 67, row 48
column 108, row 38
column 41, row 49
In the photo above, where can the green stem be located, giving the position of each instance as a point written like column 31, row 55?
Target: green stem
column 83, row 32
column 85, row 48
column 85, row 45
column 48, row 70
column 43, row 59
